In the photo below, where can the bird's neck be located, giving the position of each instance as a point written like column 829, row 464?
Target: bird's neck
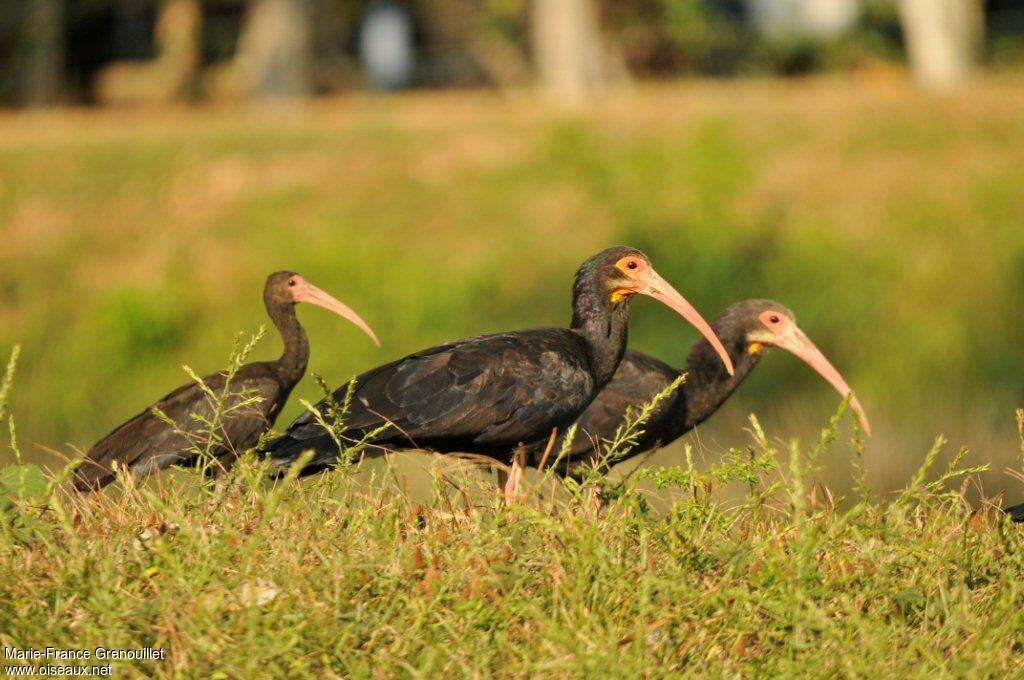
column 291, row 366
column 603, row 326
column 708, row 385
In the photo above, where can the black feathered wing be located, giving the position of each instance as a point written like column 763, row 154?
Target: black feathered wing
column 479, row 395
column 637, row 380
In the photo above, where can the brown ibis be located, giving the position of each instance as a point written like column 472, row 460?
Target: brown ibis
column 747, row 329
column 146, row 443
column 490, row 394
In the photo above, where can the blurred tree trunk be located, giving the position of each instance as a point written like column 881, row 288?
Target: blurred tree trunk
column 571, row 56
column 171, row 75
column 44, row 38
column 942, row 39
column 276, row 45
column 274, row 54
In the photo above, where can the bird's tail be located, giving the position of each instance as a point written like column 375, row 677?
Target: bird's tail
column 91, row 476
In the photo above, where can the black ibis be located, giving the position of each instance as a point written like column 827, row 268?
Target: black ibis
column 146, row 443
column 747, row 330
column 490, row 394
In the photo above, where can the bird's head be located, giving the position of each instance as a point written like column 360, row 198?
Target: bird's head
column 758, row 325
column 286, row 289
column 622, row 272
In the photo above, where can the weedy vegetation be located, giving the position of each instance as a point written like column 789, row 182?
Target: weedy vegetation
column 205, row 430
column 343, row 577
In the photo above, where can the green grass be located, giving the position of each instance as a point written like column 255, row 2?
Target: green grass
column 349, row 576
column 891, row 222
column 748, row 568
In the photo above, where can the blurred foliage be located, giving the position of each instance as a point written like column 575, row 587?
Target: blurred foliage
column 462, row 42
column 508, row 18
column 1004, row 26
column 672, row 36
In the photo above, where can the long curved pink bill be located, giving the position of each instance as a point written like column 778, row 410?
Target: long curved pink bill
column 315, row 296
column 800, row 345
column 663, row 292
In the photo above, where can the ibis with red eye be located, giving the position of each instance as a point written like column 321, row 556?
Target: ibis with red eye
column 747, row 329
column 490, row 394
column 247, row 405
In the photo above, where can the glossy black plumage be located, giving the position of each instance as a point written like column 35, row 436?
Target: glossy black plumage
column 640, row 377
column 146, row 444
column 486, row 394
column 482, row 395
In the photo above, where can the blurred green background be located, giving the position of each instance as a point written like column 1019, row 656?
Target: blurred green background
column 890, row 220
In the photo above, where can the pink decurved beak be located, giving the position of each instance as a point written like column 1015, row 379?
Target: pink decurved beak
column 799, row 344
column 658, row 288
column 307, row 292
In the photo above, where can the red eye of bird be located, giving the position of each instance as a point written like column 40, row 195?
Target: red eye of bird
column 292, row 282
column 774, row 318
column 632, row 264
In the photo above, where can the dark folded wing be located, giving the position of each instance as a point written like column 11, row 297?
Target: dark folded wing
column 637, row 380
column 490, row 390
column 146, row 443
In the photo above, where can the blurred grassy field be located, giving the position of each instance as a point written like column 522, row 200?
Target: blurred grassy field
column 890, row 221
